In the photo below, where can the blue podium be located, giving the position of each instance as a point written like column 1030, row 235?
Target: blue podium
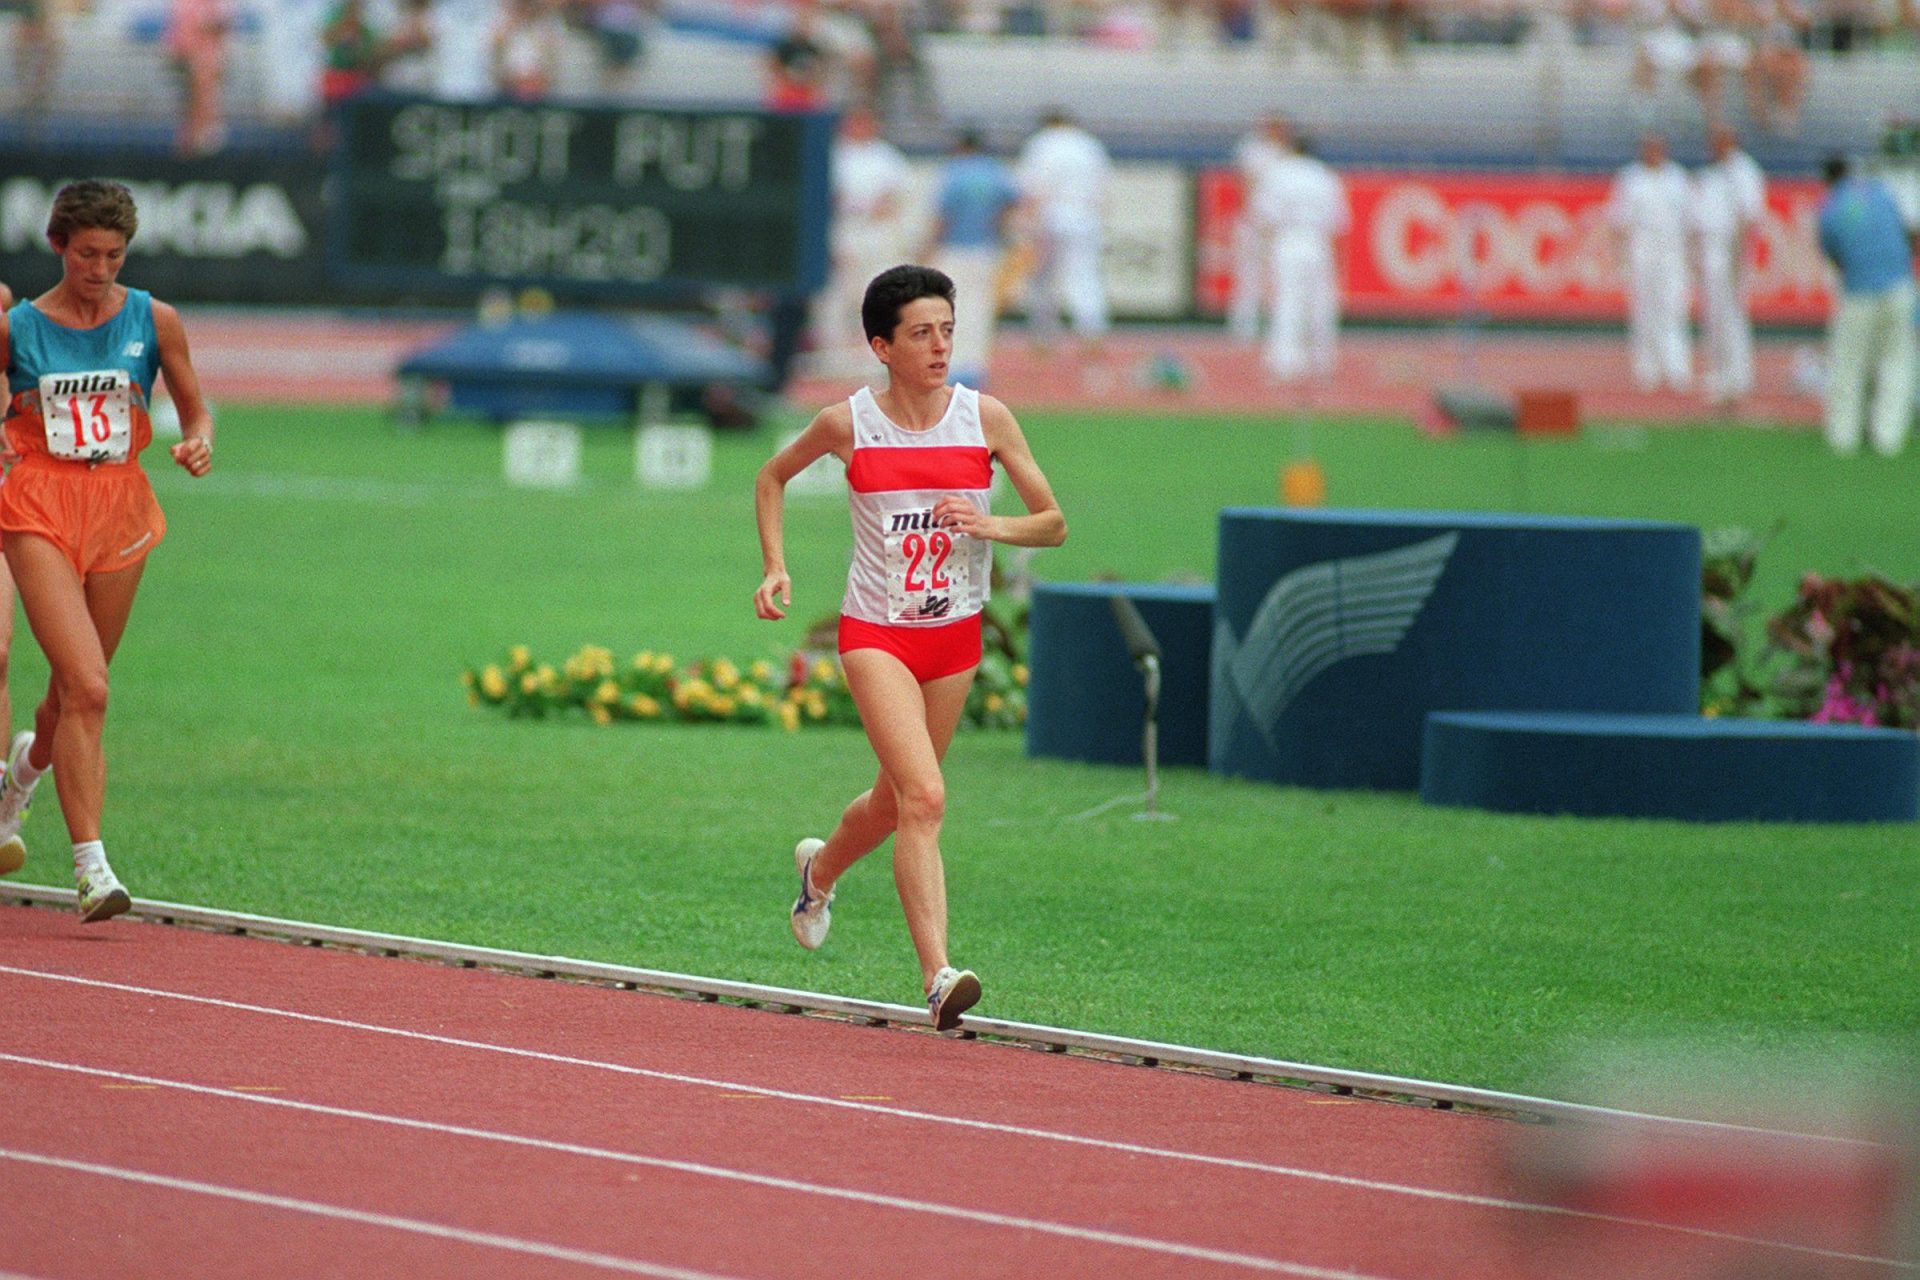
column 1679, row 766
column 1084, row 698
column 578, row 364
column 1337, row 631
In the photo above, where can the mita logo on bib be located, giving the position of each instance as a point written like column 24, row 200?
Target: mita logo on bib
column 84, row 384
column 911, row 521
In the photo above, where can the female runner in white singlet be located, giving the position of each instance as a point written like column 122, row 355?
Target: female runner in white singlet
column 919, row 456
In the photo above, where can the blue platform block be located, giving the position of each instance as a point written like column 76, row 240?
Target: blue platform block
column 1084, row 696
column 1681, row 767
column 1337, row 631
column 577, row 364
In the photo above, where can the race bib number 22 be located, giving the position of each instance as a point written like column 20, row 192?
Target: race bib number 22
column 89, row 416
column 927, row 575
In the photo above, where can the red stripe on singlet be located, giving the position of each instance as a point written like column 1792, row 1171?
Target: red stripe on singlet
column 940, row 466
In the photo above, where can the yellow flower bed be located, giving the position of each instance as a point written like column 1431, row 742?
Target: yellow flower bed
column 811, row 691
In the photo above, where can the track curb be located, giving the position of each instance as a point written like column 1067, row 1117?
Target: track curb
column 1436, row 1095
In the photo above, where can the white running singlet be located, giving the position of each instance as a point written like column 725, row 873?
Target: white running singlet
column 906, row 572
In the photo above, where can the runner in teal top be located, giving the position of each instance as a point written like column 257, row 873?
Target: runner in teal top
column 77, row 514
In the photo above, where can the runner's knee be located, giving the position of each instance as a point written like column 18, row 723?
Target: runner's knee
column 921, row 803
column 80, row 693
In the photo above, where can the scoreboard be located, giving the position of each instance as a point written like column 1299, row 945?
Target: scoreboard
column 577, row 198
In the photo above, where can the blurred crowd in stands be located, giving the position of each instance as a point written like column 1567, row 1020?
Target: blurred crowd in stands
column 839, row 51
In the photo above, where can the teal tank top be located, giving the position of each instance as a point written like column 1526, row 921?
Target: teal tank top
column 36, row 346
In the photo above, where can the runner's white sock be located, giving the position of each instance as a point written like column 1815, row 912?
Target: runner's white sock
column 25, row 774
column 88, row 853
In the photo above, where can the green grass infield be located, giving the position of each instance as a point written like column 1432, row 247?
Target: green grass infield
column 289, row 737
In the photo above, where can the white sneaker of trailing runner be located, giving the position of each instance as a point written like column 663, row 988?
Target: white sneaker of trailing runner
column 13, row 853
column 14, row 798
column 101, row 895
column 954, row 992
column 811, row 918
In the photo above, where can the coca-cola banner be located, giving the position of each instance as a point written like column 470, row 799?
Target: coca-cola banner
column 1513, row 246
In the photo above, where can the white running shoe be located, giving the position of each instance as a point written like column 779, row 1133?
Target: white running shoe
column 954, row 992
column 13, row 853
column 102, row 896
column 15, row 800
column 811, row 918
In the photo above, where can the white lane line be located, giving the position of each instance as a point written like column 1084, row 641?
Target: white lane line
column 340, row 1213
column 905, row 1204
column 987, row 1126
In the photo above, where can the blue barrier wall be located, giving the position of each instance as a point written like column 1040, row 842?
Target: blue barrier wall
column 1084, row 697
column 1337, row 631
column 1671, row 767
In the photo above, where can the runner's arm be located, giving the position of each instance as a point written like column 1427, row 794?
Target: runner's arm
column 195, row 450
column 1044, row 525
column 830, row 432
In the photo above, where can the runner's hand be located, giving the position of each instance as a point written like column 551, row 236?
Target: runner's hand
column 774, row 584
column 957, row 515
column 195, row 454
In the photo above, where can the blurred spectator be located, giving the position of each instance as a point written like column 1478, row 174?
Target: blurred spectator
column 1666, row 51
column 197, row 52
column 619, row 31
column 1848, row 25
column 870, row 183
column 1871, row 332
column 353, row 52
column 825, row 56
column 797, row 65
column 899, row 68
column 1064, row 175
column 291, row 45
column 1353, row 18
column 463, row 49
column 1722, row 56
column 6, row 296
column 1304, row 204
column 36, row 52
column 1648, row 208
column 406, row 56
column 972, row 211
column 1729, row 200
column 1777, row 80
column 526, row 50
column 1267, row 143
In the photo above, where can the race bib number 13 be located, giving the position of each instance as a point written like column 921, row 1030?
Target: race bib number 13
column 89, row 416
column 927, row 575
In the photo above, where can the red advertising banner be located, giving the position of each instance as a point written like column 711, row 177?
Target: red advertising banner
column 1509, row 246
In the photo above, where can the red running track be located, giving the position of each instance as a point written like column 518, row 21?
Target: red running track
column 176, row 1102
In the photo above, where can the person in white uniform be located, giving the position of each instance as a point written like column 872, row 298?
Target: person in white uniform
column 1729, row 199
column 1064, row 175
column 870, row 181
column 1268, row 142
column 1650, row 209
column 1304, row 203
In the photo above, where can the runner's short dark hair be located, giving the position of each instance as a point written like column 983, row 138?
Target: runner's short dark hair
column 92, row 203
column 893, row 289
